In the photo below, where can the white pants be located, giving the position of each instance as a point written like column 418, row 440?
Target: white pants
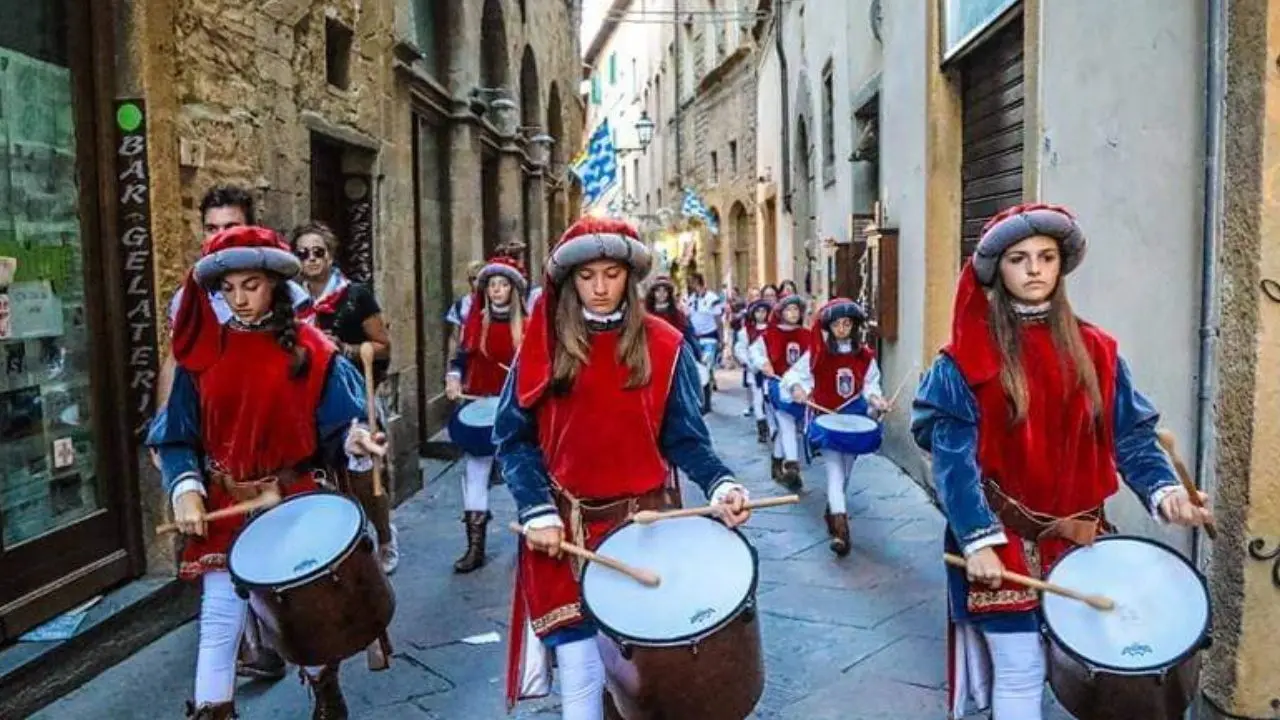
column 757, row 397
column 582, row 680
column 222, row 620
column 839, row 470
column 1018, row 669
column 786, row 445
column 475, row 483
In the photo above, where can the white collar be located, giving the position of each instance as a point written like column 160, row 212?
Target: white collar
column 614, row 316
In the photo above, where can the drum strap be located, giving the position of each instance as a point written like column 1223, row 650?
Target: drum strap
column 1082, row 528
column 243, row 490
column 581, row 512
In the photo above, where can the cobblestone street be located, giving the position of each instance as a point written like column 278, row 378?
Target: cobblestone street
column 860, row 637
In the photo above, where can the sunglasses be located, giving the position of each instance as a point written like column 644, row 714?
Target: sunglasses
column 317, row 253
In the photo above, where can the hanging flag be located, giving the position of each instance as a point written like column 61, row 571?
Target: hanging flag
column 693, row 207
column 597, row 168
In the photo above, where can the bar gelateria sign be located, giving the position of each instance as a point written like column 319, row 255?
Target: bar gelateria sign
column 964, row 21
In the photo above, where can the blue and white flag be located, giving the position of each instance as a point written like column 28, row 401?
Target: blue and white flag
column 693, row 207
column 598, row 168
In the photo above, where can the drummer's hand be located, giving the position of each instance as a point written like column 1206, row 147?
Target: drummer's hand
column 1177, row 508
column 188, row 513
column 767, row 369
column 546, row 539
column 878, row 404
column 453, row 387
column 799, row 395
column 984, row 566
column 733, row 508
column 362, row 443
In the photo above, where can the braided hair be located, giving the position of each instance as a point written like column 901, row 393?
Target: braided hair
column 285, row 324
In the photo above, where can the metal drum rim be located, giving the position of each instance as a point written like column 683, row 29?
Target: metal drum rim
column 458, row 414
column 1201, row 637
column 320, row 569
column 684, row 640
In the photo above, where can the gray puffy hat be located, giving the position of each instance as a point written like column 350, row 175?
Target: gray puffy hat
column 1018, row 223
column 591, row 239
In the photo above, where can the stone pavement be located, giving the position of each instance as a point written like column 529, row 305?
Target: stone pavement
column 852, row 638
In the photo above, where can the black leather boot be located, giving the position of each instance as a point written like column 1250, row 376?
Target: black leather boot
column 476, row 524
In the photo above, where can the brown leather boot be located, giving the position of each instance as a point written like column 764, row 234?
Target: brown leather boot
column 473, row 558
column 791, row 475
column 762, row 432
column 840, row 543
column 220, row 711
column 329, row 703
column 827, row 516
column 775, row 469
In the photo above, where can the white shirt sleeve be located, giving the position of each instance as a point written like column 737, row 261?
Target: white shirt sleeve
column 871, row 383
column 799, row 374
column 740, row 347
column 757, row 354
column 549, row 520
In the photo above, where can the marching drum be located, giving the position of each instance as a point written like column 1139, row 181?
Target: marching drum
column 308, row 568
column 1140, row 660
column 689, row 648
column 781, row 404
column 853, row 434
column 471, row 427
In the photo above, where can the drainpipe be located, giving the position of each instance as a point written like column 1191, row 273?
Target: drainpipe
column 1215, row 92
column 778, row 13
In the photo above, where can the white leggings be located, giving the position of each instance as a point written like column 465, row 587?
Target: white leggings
column 839, row 470
column 757, row 401
column 582, row 680
column 1018, row 667
column 475, row 483
column 786, row 445
column 222, row 620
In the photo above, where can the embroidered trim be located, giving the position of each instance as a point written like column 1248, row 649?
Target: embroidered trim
column 190, row 570
column 981, row 534
column 557, row 617
column 980, row 600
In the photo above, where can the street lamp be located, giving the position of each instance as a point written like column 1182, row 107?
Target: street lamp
column 644, row 130
column 503, row 110
column 540, row 149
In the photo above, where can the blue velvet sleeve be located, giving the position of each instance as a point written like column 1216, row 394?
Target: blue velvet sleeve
column 691, row 340
column 342, row 401
column 519, row 457
column 944, row 422
column 175, row 432
column 684, row 437
column 1139, row 457
column 458, row 363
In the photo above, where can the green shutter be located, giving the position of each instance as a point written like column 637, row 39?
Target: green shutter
column 613, row 69
column 595, row 89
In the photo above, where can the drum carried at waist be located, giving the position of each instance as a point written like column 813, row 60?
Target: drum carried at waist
column 308, row 568
column 471, row 427
column 781, row 404
column 847, row 432
column 1140, row 660
column 689, row 648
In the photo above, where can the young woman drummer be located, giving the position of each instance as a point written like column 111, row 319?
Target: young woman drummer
column 259, row 404
column 660, row 301
column 838, row 372
column 1030, row 414
column 755, row 322
column 599, row 384
column 491, row 334
column 772, row 354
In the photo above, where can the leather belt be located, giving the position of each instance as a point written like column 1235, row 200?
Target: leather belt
column 1080, row 529
column 243, row 490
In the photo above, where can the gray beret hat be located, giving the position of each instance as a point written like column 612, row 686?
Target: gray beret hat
column 503, row 269
column 1031, row 220
column 585, row 248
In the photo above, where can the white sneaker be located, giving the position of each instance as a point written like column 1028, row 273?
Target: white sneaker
column 389, row 554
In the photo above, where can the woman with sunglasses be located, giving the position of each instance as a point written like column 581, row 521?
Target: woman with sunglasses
column 349, row 314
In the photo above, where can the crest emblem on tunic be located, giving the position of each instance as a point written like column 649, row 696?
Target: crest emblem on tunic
column 793, row 352
column 844, row 382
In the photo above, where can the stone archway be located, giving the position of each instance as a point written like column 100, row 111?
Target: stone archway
column 557, row 198
column 742, row 237
column 531, row 211
column 802, row 188
column 495, row 64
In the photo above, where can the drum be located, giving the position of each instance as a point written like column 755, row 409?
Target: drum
column 1140, row 660
column 794, row 409
column 853, row 434
column 689, row 648
column 307, row 566
column 471, row 427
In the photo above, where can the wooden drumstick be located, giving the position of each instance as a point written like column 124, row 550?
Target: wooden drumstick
column 1097, row 602
column 645, row 517
column 268, row 498
column 366, row 356
column 902, row 385
column 819, row 408
column 647, row 578
column 505, row 368
column 1165, row 436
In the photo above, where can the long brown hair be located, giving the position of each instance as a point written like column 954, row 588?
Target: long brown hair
column 1065, row 330
column 573, row 338
column 516, row 322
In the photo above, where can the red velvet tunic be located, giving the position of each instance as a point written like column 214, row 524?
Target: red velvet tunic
column 837, row 377
column 484, row 373
column 784, row 347
column 254, row 421
column 1059, row 461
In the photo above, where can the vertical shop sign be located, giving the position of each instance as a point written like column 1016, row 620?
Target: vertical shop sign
column 137, row 259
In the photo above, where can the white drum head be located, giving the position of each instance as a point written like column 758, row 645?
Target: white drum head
column 479, row 413
column 846, row 423
column 294, row 539
column 707, row 572
column 1161, row 613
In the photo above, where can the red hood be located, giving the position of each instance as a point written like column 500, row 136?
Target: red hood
column 972, row 345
